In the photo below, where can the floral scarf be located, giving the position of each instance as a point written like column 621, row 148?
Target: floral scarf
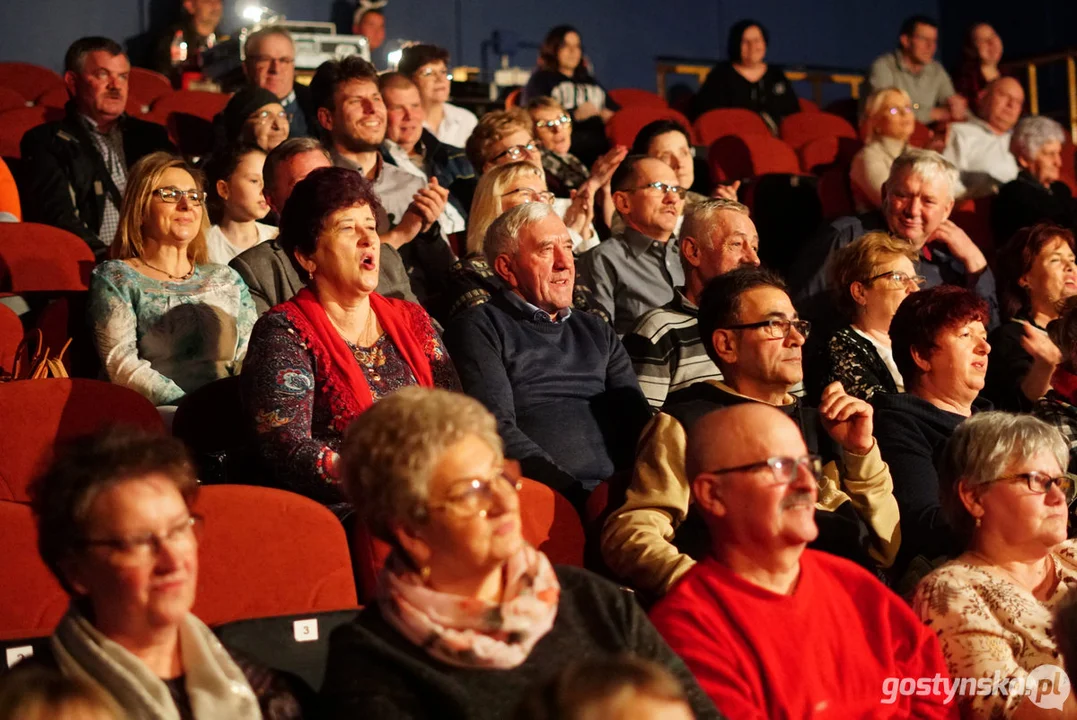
column 471, row 633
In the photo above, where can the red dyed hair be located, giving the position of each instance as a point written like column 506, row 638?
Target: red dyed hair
column 1015, row 258
column 922, row 316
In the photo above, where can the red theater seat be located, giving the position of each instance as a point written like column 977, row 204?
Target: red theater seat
column 41, row 258
column 11, row 334
column 191, row 102
column 802, row 127
column 30, row 81
column 145, row 88
column 714, row 124
column 31, row 599
column 11, row 99
column 740, row 157
column 627, row 122
column 816, row 154
column 627, row 97
column 14, row 124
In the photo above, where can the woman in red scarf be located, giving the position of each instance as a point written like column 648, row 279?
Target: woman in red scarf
column 320, row 359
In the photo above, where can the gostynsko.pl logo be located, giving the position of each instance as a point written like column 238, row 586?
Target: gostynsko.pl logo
column 1046, row 686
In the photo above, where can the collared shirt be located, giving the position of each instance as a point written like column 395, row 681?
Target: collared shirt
column 537, row 313
column 298, row 124
column 456, row 125
column 631, row 274
column 981, row 155
column 454, row 221
column 927, row 88
column 110, row 146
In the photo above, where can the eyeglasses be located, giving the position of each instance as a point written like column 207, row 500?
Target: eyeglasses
column 143, row 549
column 476, row 496
column 775, row 328
column 265, row 116
column 1041, row 483
column 173, row 194
column 262, row 61
column 903, row 110
column 540, row 196
column 663, row 188
column 518, row 152
column 557, row 122
column 431, row 72
column 900, row 279
column 784, row 469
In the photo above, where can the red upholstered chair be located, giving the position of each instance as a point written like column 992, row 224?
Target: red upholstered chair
column 816, row 154
column 921, row 135
column 848, row 108
column 1069, row 171
column 807, row 105
column 40, row 413
column 802, row 127
column 11, row 334
column 974, row 217
column 739, row 157
column 627, row 97
column 714, row 124
column 11, row 99
column 267, row 552
column 15, row 123
column 192, row 102
column 36, row 258
column 31, row 599
column 621, row 129
column 549, row 521
column 30, row 81
column 144, row 89
column 9, row 192
column 57, row 97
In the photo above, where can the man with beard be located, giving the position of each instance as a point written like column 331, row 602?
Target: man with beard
column 76, row 168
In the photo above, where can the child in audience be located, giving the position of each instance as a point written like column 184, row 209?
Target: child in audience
column 236, row 203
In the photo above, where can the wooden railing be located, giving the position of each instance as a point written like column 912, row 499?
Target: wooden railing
column 665, row 66
column 1031, row 68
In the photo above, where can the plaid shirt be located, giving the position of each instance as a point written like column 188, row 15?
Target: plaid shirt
column 1054, row 409
column 110, row 145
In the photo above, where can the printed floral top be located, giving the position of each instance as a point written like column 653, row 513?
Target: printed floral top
column 987, row 623
column 165, row 339
column 285, row 392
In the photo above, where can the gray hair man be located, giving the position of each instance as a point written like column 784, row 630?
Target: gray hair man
column 270, row 65
column 559, row 382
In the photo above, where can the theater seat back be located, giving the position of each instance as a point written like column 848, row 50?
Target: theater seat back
column 31, row 599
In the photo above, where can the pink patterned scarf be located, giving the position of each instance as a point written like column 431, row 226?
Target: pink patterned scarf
column 466, row 632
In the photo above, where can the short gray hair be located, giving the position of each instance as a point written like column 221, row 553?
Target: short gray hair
column 928, row 164
column 503, row 235
column 286, row 151
column 390, row 451
column 255, row 38
column 1032, row 133
column 979, row 452
column 701, row 217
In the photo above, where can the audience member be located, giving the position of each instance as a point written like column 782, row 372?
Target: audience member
column 638, row 270
column 553, row 130
column 270, row 65
column 253, row 116
column 428, row 68
column 323, row 357
column 753, row 335
column 917, row 200
column 940, row 348
column 116, row 527
column 1059, row 406
column 1036, row 195
column 567, row 403
column 622, row 687
column 869, row 279
column 266, row 268
column 1036, row 274
column 732, row 617
column 563, row 74
column 413, row 148
column 1005, row 494
column 667, row 351
column 913, row 68
column 370, row 23
column 980, row 147
column 468, row 615
column 33, row 692
column 235, row 203
column 198, row 31
column 75, row 169
column 746, row 80
column 981, row 55
column 165, row 322
column 886, row 127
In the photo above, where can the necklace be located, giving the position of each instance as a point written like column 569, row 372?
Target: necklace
column 1047, row 574
column 364, row 332
column 165, row 272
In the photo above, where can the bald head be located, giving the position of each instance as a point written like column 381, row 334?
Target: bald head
column 1001, row 104
column 739, row 435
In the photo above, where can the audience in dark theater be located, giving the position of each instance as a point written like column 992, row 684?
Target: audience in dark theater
column 743, row 385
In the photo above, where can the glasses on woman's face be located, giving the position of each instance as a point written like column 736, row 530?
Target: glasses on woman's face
column 900, row 110
column 476, row 496
column 529, row 195
column 555, row 123
column 899, row 280
column 435, row 73
column 266, row 116
column 142, row 549
column 775, row 328
column 1041, row 483
column 518, row 152
column 784, row 469
column 173, row 194
column 663, row 188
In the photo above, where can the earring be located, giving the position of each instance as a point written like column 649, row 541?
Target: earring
column 977, row 522
column 424, row 573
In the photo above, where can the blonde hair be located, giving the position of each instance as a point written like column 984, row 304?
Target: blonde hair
column 35, row 692
column 856, row 262
column 873, row 106
column 142, row 180
column 491, row 128
column 486, row 204
column 544, row 102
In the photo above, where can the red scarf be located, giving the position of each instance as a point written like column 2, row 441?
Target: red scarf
column 1065, row 384
column 347, row 386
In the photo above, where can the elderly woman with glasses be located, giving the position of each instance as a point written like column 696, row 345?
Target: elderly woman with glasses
column 940, row 347
column 165, row 321
column 887, row 124
column 869, row 278
column 116, row 527
column 254, row 116
column 1005, row 494
column 468, row 615
column 428, row 68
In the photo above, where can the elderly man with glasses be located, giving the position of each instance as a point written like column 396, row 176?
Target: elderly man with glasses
column 752, row 333
column 270, row 65
column 769, row 627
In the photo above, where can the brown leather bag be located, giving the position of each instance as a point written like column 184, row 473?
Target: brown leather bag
column 40, row 364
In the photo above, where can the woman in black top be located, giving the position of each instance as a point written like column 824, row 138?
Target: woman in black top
column 746, row 81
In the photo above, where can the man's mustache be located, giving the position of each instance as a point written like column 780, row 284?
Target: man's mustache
column 800, row 497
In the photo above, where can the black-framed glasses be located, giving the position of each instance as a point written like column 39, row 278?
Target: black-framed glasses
column 518, row 152
column 663, row 188
column 173, row 195
column 900, row 279
column 1041, row 483
column 529, row 195
column 142, row 549
column 775, row 328
column 784, row 469
column 556, row 122
column 476, row 496
column 261, row 118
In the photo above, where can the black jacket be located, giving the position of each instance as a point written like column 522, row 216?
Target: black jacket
column 65, row 179
column 772, row 95
column 1024, row 201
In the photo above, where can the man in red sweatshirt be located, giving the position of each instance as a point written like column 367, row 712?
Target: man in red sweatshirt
column 769, row 628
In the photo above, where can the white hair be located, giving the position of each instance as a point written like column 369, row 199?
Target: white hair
column 1032, row 133
column 701, row 217
column 503, row 235
column 929, row 165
